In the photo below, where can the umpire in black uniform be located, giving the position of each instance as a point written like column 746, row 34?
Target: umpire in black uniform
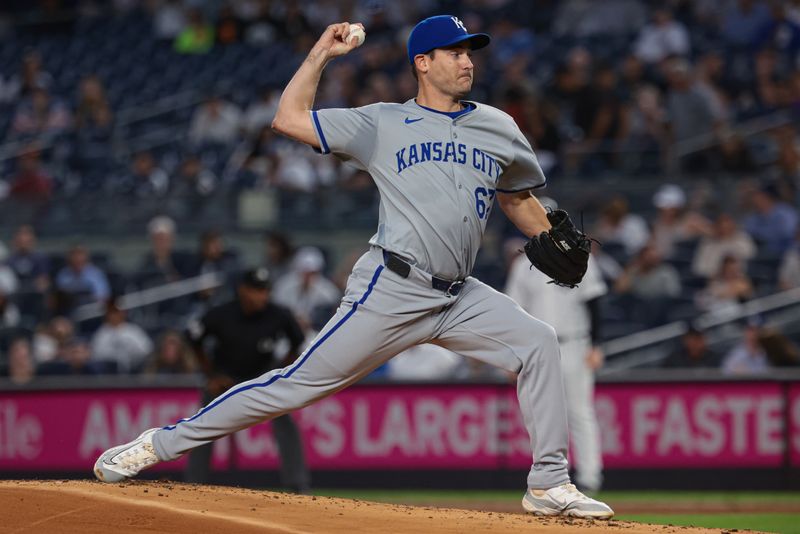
column 245, row 338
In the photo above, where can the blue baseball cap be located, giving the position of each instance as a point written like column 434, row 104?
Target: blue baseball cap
column 439, row 32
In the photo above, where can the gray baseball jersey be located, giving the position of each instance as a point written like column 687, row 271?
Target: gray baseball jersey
column 437, row 176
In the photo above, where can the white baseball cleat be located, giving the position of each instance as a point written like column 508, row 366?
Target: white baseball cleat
column 125, row 461
column 565, row 500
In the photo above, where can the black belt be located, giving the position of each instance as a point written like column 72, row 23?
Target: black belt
column 401, row 267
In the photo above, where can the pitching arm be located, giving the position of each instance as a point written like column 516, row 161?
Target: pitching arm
column 292, row 118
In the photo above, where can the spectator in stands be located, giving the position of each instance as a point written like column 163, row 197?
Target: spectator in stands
column 31, row 266
column 197, row 37
column 780, row 32
column 773, row 222
column 41, row 116
column 32, row 184
column 709, row 78
column 31, row 77
column 259, row 163
column 674, row 223
column 145, row 180
column 169, row 19
column 649, row 285
column 662, row 38
column 9, row 283
column 538, row 118
column 291, row 23
column 215, row 122
column 618, row 225
column 51, row 339
column 767, row 72
column 726, row 240
column 793, row 11
column 690, row 111
column 21, row 367
column 9, row 89
column 632, row 76
column 261, row 112
column 600, row 114
column 212, row 257
column 789, row 271
column 567, row 87
column 161, row 264
column 278, row 253
column 787, row 144
column 295, row 172
column 229, row 28
column 171, row 357
column 693, row 352
column 305, row 289
column 94, row 111
column 648, row 277
column 193, row 179
column 646, row 125
column 120, row 341
column 10, row 316
column 81, row 282
column 511, row 41
column 261, row 29
column 743, row 20
column 587, row 18
column 747, row 357
column 727, row 290
column 75, row 360
column 734, row 154
column 781, row 351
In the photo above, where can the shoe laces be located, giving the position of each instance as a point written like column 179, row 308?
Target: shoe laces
column 572, row 491
column 139, row 456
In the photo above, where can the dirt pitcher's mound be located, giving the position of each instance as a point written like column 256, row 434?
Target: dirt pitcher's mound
column 91, row 507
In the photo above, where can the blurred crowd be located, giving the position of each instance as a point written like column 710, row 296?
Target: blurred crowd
column 679, row 266
column 687, row 91
column 620, row 86
column 45, row 328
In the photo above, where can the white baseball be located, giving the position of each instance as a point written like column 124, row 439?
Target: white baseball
column 356, row 32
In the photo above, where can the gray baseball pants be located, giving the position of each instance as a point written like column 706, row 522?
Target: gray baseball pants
column 380, row 315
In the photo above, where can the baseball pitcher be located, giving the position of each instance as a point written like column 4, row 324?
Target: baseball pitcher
column 439, row 162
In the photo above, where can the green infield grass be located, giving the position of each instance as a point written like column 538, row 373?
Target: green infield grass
column 768, row 511
column 777, row 522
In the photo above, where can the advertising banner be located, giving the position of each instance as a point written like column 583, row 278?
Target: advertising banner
column 711, row 424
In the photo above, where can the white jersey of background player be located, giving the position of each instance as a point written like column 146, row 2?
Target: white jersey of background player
column 569, row 312
column 438, row 162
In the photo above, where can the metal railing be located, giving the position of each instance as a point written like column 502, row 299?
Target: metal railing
column 153, row 295
column 648, row 346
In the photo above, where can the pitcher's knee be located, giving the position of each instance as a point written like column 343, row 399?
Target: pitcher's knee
column 541, row 342
column 544, row 335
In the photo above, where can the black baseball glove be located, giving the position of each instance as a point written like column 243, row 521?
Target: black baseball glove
column 562, row 253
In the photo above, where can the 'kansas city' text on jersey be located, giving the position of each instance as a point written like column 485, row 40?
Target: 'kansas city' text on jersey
column 437, row 176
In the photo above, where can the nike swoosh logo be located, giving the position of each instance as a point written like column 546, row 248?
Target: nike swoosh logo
column 409, row 121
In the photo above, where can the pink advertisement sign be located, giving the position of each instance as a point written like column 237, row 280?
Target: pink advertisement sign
column 794, row 424
column 419, row 427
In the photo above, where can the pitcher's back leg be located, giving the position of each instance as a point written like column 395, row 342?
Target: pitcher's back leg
column 488, row 326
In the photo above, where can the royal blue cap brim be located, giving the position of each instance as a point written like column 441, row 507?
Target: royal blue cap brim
column 477, row 41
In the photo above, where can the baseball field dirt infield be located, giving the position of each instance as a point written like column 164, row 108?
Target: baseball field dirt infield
column 141, row 506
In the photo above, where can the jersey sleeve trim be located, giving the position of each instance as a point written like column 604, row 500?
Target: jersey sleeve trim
column 323, row 143
column 543, row 184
